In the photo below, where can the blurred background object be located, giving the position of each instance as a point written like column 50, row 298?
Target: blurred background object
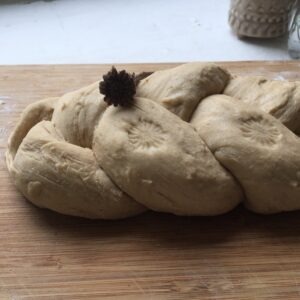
column 106, row 31
column 259, row 18
column 294, row 31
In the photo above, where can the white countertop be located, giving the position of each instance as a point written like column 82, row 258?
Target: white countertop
column 112, row 31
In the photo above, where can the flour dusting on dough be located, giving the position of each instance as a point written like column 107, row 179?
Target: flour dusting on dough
column 3, row 133
column 286, row 75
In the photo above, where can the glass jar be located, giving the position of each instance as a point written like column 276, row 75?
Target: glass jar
column 294, row 31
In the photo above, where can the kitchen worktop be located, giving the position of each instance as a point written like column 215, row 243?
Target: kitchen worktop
column 44, row 255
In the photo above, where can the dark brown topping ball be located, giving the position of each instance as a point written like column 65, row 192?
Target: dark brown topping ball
column 118, row 88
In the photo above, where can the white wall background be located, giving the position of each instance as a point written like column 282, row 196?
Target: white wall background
column 112, row 31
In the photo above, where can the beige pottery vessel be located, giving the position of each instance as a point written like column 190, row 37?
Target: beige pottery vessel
column 259, row 18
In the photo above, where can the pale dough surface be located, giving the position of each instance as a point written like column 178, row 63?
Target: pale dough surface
column 66, row 178
column 162, row 162
column 180, row 89
column 197, row 141
column 281, row 99
column 260, row 152
column 50, row 165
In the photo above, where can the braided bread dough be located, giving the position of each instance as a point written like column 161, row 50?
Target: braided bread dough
column 197, row 141
column 281, row 99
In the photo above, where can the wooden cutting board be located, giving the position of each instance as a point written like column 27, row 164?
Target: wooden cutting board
column 44, row 255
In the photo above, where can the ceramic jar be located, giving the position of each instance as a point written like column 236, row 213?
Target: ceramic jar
column 259, row 18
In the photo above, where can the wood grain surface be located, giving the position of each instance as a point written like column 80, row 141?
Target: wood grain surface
column 44, row 255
